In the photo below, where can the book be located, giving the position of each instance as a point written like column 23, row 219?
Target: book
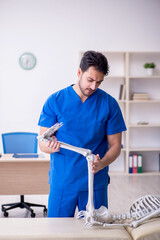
column 130, row 163
column 135, row 162
column 120, row 91
column 123, row 92
column 140, row 96
column 139, row 164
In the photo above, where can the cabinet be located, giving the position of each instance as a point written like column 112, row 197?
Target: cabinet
column 142, row 117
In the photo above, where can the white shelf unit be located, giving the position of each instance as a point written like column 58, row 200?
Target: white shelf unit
column 127, row 68
column 143, row 117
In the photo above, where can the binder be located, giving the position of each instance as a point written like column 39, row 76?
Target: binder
column 135, row 162
column 139, row 163
column 130, row 163
column 123, row 92
column 120, row 91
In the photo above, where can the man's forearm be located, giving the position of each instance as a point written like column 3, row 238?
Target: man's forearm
column 44, row 148
column 111, row 155
column 114, row 149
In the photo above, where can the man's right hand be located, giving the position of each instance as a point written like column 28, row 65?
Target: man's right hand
column 50, row 146
column 54, row 145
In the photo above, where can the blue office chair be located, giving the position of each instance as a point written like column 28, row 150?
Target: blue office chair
column 20, row 142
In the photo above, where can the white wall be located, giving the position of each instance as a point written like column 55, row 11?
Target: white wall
column 55, row 31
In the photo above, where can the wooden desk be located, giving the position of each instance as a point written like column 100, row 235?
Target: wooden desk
column 22, row 176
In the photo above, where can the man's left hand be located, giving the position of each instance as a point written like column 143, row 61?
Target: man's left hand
column 97, row 164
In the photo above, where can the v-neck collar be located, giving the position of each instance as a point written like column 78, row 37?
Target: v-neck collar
column 77, row 98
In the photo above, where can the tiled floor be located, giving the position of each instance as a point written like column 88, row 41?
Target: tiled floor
column 123, row 191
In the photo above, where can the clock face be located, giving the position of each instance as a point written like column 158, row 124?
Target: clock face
column 27, row 61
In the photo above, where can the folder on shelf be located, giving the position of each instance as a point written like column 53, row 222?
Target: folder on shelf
column 135, row 162
column 139, row 169
column 130, row 163
column 123, row 92
column 120, row 91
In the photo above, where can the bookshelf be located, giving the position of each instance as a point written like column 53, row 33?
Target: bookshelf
column 142, row 117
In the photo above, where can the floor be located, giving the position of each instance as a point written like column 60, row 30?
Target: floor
column 123, row 191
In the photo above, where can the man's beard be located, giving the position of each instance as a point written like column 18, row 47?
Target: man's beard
column 82, row 91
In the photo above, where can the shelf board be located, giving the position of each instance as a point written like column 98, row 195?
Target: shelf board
column 144, row 125
column 145, row 101
column 116, row 173
column 145, row 77
column 123, row 149
column 149, row 149
column 115, row 77
column 144, row 174
column 121, row 101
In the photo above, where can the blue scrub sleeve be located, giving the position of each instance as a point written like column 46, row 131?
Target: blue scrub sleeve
column 115, row 123
column 47, row 116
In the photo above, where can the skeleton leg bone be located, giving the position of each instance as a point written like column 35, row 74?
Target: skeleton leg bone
column 90, row 205
column 93, row 216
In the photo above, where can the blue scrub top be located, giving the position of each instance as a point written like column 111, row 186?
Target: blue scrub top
column 85, row 125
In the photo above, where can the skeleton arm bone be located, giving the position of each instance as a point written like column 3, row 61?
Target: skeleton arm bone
column 83, row 151
column 48, row 136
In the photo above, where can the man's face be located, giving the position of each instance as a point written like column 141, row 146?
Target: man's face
column 89, row 80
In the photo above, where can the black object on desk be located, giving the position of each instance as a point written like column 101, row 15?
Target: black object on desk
column 25, row 155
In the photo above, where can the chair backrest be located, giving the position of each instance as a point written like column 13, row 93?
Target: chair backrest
column 19, row 142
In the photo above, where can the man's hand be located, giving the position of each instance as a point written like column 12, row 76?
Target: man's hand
column 97, row 164
column 49, row 147
column 54, row 145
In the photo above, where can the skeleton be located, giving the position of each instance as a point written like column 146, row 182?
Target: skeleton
column 141, row 210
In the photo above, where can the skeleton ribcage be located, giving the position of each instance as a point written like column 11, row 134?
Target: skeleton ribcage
column 144, row 206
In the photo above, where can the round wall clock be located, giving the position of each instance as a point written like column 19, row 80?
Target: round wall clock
column 27, row 61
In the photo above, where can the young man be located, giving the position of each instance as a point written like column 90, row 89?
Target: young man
column 91, row 119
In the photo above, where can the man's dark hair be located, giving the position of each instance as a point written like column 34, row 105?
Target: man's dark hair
column 94, row 59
